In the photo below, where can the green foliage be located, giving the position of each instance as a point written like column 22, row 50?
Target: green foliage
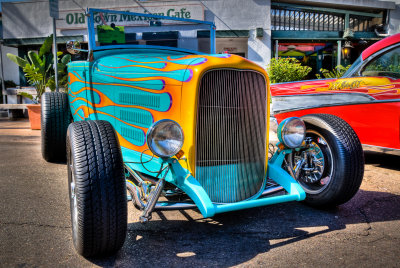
column 35, row 78
column 38, row 68
column 26, row 95
column 65, row 59
column 382, row 67
column 17, row 60
column 286, row 70
column 387, row 63
column 338, row 72
column 46, row 46
column 62, row 73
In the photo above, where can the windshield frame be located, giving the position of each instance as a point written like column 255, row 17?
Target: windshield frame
column 353, row 68
column 92, row 33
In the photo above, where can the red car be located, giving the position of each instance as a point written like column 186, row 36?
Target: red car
column 367, row 97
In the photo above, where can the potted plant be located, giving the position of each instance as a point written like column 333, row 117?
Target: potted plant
column 39, row 73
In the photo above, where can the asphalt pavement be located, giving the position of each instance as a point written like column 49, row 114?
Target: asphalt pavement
column 35, row 229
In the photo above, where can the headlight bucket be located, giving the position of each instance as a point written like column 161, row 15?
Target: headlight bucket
column 291, row 132
column 165, row 138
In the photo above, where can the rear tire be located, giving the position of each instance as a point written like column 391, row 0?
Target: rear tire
column 338, row 172
column 56, row 117
column 97, row 188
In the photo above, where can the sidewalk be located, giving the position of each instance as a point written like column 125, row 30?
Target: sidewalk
column 18, row 130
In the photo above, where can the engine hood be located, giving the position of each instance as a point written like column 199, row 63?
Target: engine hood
column 152, row 68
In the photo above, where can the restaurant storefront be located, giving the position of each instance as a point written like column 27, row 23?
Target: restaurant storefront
column 320, row 34
column 242, row 27
column 324, row 37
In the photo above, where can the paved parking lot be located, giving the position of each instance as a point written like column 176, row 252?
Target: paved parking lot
column 35, row 226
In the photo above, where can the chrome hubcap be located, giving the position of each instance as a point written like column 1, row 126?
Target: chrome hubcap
column 309, row 165
column 312, row 167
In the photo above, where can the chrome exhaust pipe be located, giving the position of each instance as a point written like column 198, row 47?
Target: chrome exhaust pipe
column 135, row 194
column 154, row 196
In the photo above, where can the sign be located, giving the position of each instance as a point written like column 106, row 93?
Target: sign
column 53, row 5
column 76, row 19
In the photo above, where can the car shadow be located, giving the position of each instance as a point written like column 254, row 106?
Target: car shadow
column 382, row 160
column 234, row 238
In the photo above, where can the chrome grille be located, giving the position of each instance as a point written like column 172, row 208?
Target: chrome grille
column 231, row 134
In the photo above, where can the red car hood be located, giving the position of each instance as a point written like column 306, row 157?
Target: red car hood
column 300, row 87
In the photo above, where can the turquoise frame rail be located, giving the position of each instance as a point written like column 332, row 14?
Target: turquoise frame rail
column 184, row 180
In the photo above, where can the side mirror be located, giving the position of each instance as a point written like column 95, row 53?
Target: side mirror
column 73, row 47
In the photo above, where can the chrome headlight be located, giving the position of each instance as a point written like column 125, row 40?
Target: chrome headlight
column 165, row 138
column 291, row 132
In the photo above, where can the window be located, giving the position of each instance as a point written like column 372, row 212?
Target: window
column 386, row 64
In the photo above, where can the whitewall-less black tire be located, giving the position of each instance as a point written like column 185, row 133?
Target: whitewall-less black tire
column 97, row 188
column 56, row 117
column 334, row 168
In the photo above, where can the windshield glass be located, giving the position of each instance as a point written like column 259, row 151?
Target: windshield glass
column 112, row 28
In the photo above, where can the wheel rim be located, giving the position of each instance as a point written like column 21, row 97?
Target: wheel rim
column 313, row 167
column 72, row 197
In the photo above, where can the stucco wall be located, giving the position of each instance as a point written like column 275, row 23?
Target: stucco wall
column 259, row 48
column 239, row 14
column 31, row 19
column 245, row 15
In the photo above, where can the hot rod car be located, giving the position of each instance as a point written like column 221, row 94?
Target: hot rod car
column 367, row 97
column 170, row 128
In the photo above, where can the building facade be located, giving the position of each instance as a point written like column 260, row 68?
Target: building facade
column 315, row 32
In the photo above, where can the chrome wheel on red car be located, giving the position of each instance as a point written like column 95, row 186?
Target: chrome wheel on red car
column 330, row 166
column 313, row 167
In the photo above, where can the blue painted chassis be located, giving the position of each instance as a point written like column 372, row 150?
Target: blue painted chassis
column 181, row 177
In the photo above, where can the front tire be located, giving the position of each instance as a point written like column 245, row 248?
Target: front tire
column 97, row 188
column 332, row 168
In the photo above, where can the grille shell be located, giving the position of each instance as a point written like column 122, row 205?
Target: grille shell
column 231, row 134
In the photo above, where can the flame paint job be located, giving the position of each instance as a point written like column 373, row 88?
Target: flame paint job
column 380, row 88
column 133, row 89
column 371, row 105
